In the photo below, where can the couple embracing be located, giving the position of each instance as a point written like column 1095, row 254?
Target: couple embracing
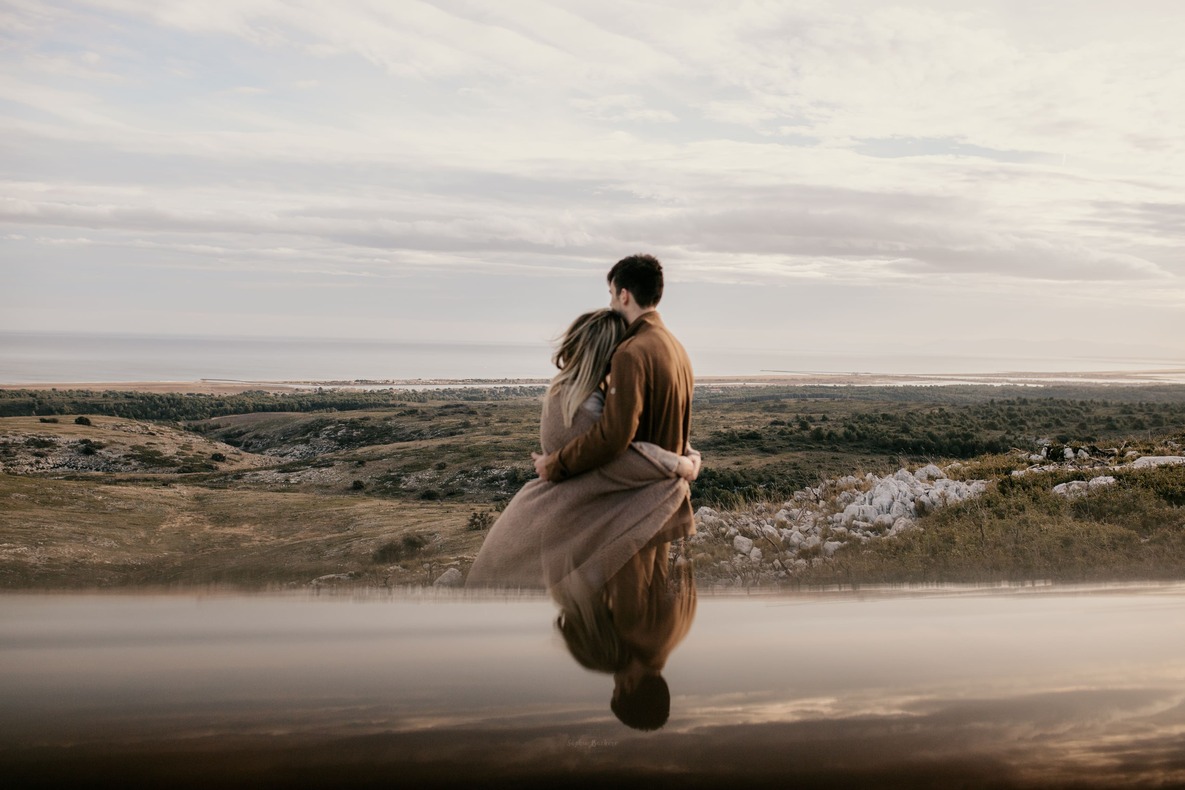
column 616, row 461
column 613, row 493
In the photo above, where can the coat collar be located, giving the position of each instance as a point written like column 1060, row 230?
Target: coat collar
column 649, row 319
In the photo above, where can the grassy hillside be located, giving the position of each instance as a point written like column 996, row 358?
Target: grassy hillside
column 385, row 486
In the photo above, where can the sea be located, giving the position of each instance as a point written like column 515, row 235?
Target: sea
column 61, row 357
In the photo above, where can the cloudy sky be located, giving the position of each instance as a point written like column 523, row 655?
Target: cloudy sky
column 988, row 178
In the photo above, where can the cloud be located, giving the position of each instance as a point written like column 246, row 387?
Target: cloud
column 983, row 151
column 622, row 107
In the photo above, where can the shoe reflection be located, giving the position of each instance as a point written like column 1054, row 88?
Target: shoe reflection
column 628, row 628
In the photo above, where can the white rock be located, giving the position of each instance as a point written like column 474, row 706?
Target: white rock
column 929, row 472
column 742, row 544
column 1068, row 454
column 830, row 547
column 771, row 532
column 884, row 521
column 1157, row 460
column 1102, row 481
column 883, row 502
column 859, row 513
column 1072, row 489
column 1083, row 455
column 706, row 516
column 755, row 555
column 450, row 578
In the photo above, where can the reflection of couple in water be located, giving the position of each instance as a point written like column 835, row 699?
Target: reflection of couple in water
column 596, row 528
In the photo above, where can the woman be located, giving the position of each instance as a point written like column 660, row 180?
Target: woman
column 585, row 529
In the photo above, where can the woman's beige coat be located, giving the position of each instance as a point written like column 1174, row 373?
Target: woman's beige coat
column 590, row 524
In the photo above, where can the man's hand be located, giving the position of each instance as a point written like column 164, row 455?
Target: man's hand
column 540, row 465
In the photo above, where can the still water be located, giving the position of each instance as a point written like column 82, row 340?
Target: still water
column 61, row 357
column 1007, row 688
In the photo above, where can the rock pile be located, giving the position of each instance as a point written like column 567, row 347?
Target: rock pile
column 816, row 522
column 767, row 544
column 1088, row 460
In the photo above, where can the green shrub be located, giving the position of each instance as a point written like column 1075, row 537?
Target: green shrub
column 480, row 520
column 395, row 550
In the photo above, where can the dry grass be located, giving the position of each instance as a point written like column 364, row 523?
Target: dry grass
column 59, row 533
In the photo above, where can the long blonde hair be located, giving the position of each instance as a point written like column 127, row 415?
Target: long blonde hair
column 583, row 358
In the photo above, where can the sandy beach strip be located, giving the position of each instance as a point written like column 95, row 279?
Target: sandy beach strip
column 212, row 387
column 230, row 387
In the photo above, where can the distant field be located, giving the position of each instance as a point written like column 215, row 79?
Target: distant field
column 272, row 489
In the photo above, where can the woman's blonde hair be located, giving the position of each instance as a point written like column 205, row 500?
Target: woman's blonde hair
column 587, row 626
column 583, row 358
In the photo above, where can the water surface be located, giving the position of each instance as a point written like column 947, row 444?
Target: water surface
column 49, row 357
column 1030, row 687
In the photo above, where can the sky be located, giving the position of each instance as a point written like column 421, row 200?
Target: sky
column 1001, row 179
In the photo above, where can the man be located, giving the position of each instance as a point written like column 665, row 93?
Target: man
column 648, row 399
column 650, row 381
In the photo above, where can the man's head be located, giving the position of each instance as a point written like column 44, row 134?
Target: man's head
column 641, row 277
column 644, row 704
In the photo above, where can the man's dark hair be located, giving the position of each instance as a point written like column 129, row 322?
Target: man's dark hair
column 647, row 707
column 641, row 275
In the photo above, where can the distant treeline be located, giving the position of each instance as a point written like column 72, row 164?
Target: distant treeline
column 964, row 431
column 960, row 394
column 196, row 406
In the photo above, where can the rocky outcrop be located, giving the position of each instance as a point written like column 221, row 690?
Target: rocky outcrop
column 817, row 522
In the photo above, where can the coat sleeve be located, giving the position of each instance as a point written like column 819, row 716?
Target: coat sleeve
column 612, row 434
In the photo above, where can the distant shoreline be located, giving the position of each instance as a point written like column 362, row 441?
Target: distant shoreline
column 772, row 379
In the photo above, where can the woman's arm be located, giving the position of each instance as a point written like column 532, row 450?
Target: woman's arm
column 686, row 466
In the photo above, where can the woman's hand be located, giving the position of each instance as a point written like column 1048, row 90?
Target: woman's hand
column 540, row 464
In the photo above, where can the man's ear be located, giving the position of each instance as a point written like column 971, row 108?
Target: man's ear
column 625, row 297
